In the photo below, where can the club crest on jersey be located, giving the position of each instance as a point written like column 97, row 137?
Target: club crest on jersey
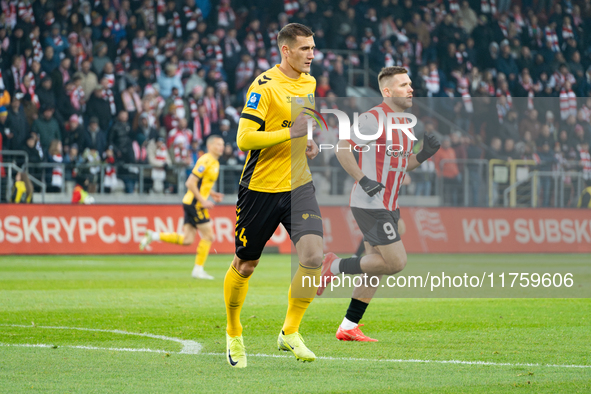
column 253, row 100
column 311, row 98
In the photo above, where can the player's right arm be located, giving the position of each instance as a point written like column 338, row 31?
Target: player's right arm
column 252, row 134
column 347, row 160
column 345, row 156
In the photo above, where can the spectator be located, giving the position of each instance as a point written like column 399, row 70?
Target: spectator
column 18, row 123
column 180, row 152
column 6, row 135
column 54, row 155
column 546, row 161
column 531, row 124
column 509, row 151
column 22, row 190
column 74, row 134
column 585, row 160
column 545, row 137
column 101, row 58
column 475, row 170
column 47, row 128
column 95, row 138
column 56, row 41
column 145, row 133
column 120, row 139
column 61, row 75
column 99, row 108
column 338, row 79
column 585, row 198
column 72, row 160
column 13, row 74
column 459, row 147
column 46, row 93
column 170, row 79
column 180, row 130
column 89, row 79
column 229, row 135
column 50, row 61
column 159, row 158
column 506, row 63
column 452, row 179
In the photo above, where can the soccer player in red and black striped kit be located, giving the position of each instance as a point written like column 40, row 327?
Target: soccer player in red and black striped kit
column 374, row 199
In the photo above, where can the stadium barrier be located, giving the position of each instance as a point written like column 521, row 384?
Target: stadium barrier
column 117, row 229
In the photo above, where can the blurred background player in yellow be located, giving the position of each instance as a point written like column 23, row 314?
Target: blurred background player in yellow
column 196, row 206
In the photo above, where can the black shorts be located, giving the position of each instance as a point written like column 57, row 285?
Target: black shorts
column 259, row 214
column 379, row 226
column 195, row 216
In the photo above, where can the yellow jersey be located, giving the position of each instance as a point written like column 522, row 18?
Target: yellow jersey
column 206, row 170
column 585, row 199
column 282, row 167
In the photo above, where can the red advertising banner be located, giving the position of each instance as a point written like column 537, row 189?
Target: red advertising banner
column 117, row 229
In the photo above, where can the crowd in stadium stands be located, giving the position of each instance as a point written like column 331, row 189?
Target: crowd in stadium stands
column 131, row 81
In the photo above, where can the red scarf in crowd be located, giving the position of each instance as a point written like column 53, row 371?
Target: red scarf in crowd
column 201, row 131
column 568, row 103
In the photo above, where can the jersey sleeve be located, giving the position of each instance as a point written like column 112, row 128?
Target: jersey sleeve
column 367, row 127
column 201, row 167
column 257, row 103
column 252, row 122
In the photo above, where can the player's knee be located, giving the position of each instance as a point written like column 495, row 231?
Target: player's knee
column 395, row 265
column 209, row 237
column 189, row 238
column 312, row 259
column 244, row 267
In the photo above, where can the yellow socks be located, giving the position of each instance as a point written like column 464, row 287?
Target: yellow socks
column 296, row 307
column 172, row 238
column 235, row 289
column 202, row 252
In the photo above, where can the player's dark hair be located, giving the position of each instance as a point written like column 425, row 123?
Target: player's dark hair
column 290, row 32
column 387, row 72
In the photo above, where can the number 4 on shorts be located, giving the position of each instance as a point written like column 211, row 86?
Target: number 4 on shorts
column 243, row 238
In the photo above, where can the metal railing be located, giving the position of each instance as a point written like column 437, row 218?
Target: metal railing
column 6, row 154
column 552, row 192
column 470, row 188
column 129, row 174
column 8, row 182
column 477, row 185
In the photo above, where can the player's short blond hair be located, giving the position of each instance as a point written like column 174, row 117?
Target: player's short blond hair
column 290, row 32
column 212, row 138
column 388, row 72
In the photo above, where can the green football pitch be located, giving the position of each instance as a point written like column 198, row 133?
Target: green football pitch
column 141, row 324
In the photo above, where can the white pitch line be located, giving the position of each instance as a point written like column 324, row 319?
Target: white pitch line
column 189, row 347
column 485, row 363
column 192, row 347
column 115, row 349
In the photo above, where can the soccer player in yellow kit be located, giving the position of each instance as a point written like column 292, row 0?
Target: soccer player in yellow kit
column 196, row 206
column 276, row 186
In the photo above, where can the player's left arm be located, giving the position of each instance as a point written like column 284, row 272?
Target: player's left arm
column 430, row 147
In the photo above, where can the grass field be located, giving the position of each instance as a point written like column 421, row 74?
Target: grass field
column 141, row 312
